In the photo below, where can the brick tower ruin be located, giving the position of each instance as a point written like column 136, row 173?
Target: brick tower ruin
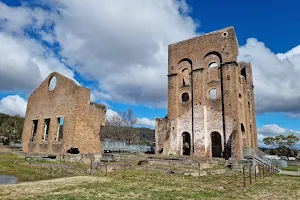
column 60, row 117
column 211, row 110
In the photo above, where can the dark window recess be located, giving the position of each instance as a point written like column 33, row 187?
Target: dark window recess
column 46, row 129
column 243, row 73
column 228, row 77
column 185, row 97
column 34, row 129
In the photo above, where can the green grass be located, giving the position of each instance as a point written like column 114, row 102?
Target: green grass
column 291, row 168
column 143, row 184
column 33, row 169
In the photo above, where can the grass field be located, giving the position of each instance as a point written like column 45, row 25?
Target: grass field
column 291, row 168
column 141, row 184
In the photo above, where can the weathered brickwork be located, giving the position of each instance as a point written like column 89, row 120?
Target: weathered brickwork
column 210, row 97
column 71, row 104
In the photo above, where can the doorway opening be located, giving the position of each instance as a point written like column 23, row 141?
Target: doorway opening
column 186, row 143
column 216, row 145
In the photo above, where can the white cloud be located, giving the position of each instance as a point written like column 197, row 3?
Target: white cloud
column 13, row 105
column 110, row 113
column 145, row 122
column 275, row 77
column 123, row 44
column 141, row 122
column 24, row 61
column 271, row 130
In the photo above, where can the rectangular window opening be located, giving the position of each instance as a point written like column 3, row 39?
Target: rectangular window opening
column 34, row 129
column 243, row 73
column 60, row 129
column 46, row 129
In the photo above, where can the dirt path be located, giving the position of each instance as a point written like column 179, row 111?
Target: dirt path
column 42, row 188
column 291, row 173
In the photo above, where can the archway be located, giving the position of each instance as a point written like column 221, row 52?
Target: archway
column 186, row 143
column 216, row 145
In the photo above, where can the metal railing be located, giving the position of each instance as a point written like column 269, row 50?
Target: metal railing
column 115, row 146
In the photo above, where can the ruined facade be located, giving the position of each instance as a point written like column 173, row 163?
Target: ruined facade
column 211, row 110
column 60, row 117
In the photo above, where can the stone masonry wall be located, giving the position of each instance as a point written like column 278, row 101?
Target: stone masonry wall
column 198, row 67
column 82, row 121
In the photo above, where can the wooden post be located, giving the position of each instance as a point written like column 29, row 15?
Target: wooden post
column 170, row 171
column 199, row 168
column 91, row 166
column 105, row 169
column 244, row 176
column 250, row 174
column 255, row 172
column 124, row 172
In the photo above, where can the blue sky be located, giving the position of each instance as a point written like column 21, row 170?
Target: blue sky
column 119, row 50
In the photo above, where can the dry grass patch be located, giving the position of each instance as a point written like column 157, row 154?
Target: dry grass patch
column 57, row 187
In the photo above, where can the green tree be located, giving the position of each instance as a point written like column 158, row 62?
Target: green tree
column 283, row 143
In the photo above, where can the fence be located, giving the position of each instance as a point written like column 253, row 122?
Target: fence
column 169, row 167
column 122, row 146
column 261, row 157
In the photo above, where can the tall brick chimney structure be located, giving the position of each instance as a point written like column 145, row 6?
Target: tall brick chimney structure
column 211, row 110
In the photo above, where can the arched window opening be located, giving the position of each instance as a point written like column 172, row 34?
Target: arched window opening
column 213, row 94
column 213, row 64
column 186, row 143
column 216, row 147
column 52, row 83
column 185, row 77
column 185, row 97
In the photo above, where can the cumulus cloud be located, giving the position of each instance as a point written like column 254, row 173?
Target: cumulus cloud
column 122, row 45
column 24, row 61
column 271, row 130
column 13, row 105
column 275, row 77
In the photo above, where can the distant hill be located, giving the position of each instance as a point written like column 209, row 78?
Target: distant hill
column 147, row 134
column 11, row 128
column 135, row 135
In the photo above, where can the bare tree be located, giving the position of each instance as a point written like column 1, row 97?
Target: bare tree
column 120, row 127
